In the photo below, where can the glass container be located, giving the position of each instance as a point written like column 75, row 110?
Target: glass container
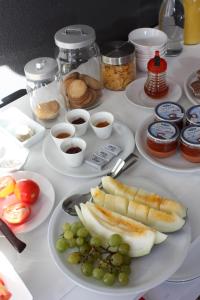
column 192, row 22
column 190, row 143
column 78, row 58
column 162, row 139
column 43, row 87
column 156, row 85
column 171, row 112
column 118, row 65
column 171, row 21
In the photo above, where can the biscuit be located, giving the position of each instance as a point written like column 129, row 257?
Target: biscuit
column 91, row 82
column 77, row 89
column 195, row 87
column 47, row 110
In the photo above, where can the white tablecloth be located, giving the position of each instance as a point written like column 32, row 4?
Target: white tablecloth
column 35, row 265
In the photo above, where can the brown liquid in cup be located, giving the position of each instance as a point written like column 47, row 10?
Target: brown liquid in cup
column 102, row 124
column 62, row 135
column 78, row 121
column 73, row 150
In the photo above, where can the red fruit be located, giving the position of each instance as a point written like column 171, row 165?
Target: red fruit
column 27, row 190
column 16, row 213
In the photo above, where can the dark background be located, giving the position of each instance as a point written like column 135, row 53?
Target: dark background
column 27, row 27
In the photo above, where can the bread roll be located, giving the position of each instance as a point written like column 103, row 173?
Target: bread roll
column 47, row 110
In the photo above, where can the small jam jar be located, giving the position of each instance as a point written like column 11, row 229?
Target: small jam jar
column 156, row 85
column 190, row 143
column 162, row 139
column 171, row 112
column 193, row 115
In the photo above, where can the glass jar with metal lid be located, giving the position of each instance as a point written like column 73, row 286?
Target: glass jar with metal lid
column 190, row 143
column 43, row 87
column 78, row 58
column 118, row 64
column 162, row 139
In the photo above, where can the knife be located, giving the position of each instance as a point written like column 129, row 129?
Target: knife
column 11, row 237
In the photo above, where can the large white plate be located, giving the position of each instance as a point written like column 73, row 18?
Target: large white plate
column 147, row 272
column 173, row 163
column 13, row 282
column 42, row 208
column 121, row 136
column 191, row 97
column 136, row 95
column 190, row 269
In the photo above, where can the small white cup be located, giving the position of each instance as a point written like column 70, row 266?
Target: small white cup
column 99, row 117
column 73, row 159
column 75, row 114
column 62, row 128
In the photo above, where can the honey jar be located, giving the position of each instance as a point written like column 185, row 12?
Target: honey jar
column 190, row 143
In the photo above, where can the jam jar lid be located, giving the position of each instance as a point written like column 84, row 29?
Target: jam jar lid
column 162, row 132
column 75, row 36
column 193, row 115
column 191, row 136
column 168, row 111
column 41, row 68
column 117, row 52
column 157, row 64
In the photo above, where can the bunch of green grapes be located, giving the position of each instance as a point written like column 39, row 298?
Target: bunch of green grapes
column 106, row 261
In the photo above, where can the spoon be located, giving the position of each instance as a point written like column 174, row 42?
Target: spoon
column 121, row 166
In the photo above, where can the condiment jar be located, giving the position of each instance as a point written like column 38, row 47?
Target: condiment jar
column 190, row 143
column 78, row 58
column 118, row 64
column 43, row 86
column 156, row 85
column 193, row 115
column 162, row 139
column 171, row 112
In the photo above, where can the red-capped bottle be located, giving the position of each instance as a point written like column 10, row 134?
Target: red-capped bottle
column 156, row 85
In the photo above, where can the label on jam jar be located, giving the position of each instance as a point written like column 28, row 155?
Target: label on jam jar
column 192, row 134
column 169, row 111
column 162, row 130
column 193, row 114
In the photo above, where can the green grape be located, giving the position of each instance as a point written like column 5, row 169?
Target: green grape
column 113, row 249
column 124, row 249
column 79, row 241
column 123, row 278
column 85, row 248
column 127, row 260
column 66, row 226
column 115, row 240
column 98, row 273
column 82, row 232
column 125, row 269
column 87, row 268
column 95, row 241
column 75, row 227
column 117, row 259
column 68, row 235
column 74, row 258
column 61, row 245
column 72, row 243
column 109, row 278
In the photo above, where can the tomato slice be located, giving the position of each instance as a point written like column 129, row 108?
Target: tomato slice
column 4, row 293
column 7, row 185
column 16, row 213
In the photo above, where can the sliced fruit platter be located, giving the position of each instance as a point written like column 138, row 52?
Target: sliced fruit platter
column 116, row 233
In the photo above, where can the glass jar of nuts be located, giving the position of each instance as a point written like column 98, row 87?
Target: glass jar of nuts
column 78, row 58
column 118, row 65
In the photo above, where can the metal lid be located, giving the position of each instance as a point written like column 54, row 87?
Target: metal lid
column 191, row 136
column 193, row 115
column 168, row 111
column 74, row 36
column 162, row 132
column 117, row 52
column 41, row 68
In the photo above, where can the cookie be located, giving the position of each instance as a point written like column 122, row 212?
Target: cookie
column 91, row 82
column 195, row 87
column 77, row 89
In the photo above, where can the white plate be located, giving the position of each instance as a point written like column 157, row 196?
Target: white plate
column 12, row 116
column 12, row 281
column 147, row 272
column 42, row 208
column 173, row 163
column 191, row 97
column 136, row 95
column 12, row 155
column 121, row 136
column 190, row 269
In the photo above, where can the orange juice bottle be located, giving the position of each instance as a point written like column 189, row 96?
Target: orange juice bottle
column 192, row 22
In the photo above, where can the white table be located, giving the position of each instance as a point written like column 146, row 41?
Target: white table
column 35, row 265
